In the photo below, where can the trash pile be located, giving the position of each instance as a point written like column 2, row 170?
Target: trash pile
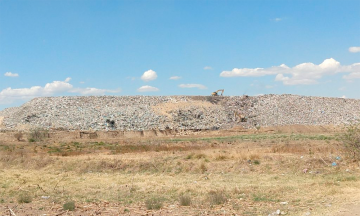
column 137, row 113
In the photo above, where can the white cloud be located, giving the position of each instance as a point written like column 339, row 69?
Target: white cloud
column 57, row 86
column 302, row 74
column 343, row 96
column 355, row 72
column 9, row 95
column 10, row 74
column 147, row 88
column 149, row 75
column 277, row 19
column 199, row 86
column 354, row 49
column 355, row 75
column 175, row 78
column 292, row 81
column 254, row 72
column 93, row 91
column 208, row 68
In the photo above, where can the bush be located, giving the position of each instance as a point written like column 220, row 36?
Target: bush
column 69, row 206
column 18, row 136
column 351, row 141
column 24, row 198
column 217, row 197
column 154, row 203
column 203, row 168
column 38, row 134
column 185, row 200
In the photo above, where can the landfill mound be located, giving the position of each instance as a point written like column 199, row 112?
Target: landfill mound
column 140, row 113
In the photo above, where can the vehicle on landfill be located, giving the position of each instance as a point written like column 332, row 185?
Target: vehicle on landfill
column 216, row 93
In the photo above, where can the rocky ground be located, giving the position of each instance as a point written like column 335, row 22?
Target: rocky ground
column 138, row 113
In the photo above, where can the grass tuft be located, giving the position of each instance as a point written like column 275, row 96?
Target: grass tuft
column 217, row 197
column 24, row 198
column 185, row 200
column 70, row 205
column 154, row 202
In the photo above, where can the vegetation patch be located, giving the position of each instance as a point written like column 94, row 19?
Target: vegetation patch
column 217, row 197
column 24, row 197
column 154, row 202
column 38, row 134
column 185, row 200
column 351, row 141
column 70, row 205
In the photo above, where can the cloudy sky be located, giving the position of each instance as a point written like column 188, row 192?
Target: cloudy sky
column 183, row 47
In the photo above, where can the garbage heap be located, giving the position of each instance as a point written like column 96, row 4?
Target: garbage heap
column 138, row 113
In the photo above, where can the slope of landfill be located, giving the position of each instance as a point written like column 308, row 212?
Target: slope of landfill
column 138, row 113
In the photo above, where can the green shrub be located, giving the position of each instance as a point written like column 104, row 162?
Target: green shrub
column 351, row 141
column 69, row 206
column 154, row 203
column 38, row 134
column 185, row 200
column 24, row 198
column 217, row 197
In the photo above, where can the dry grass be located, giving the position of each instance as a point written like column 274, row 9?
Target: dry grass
column 199, row 175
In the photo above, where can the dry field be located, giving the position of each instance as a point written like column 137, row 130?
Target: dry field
column 206, row 174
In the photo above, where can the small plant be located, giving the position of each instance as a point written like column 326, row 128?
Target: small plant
column 217, row 197
column 154, row 202
column 203, row 168
column 24, row 198
column 38, row 134
column 221, row 157
column 190, row 156
column 256, row 162
column 70, row 205
column 260, row 197
column 351, row 141
column 185, row 200
column 199, row 156
column 18, row 136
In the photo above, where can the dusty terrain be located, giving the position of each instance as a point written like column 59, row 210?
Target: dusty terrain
column 286, row 170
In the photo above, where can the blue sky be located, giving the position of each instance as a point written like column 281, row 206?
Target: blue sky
column 94, row 47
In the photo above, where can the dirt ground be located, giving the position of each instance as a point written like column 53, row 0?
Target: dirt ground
column 271, row 171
